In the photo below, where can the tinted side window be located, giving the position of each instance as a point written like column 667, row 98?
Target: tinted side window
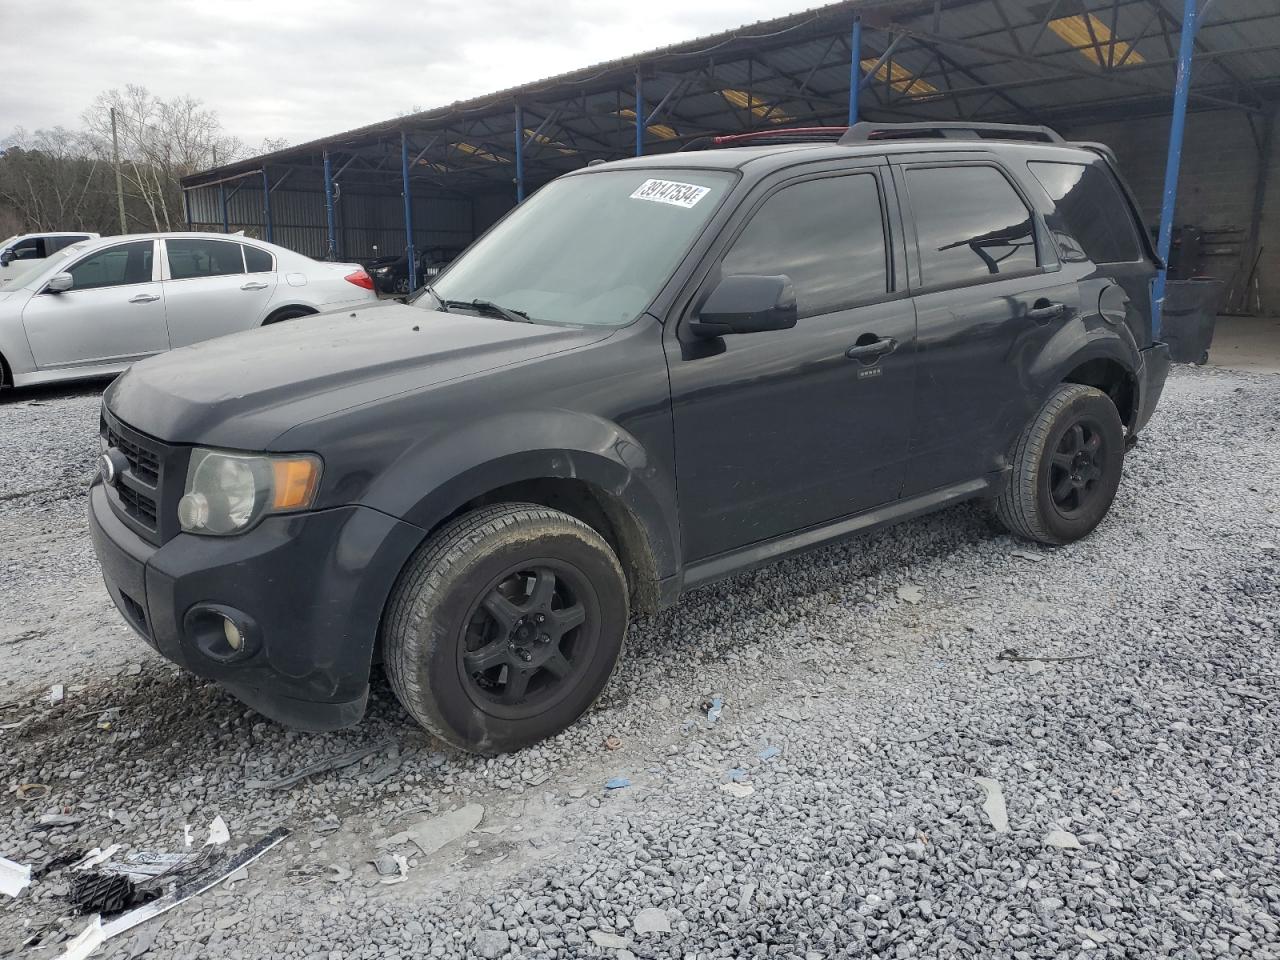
column 826, row 235
column 970, row 224
column 32, row 248
column 258, row 261
column 203, row 258
column 1092, row 219
column 114, row 266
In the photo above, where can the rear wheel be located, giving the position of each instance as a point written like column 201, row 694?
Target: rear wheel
column 505, row 627
column 1066, row 467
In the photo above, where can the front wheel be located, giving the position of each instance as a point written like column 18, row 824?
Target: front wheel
column 505, row 627
column 1066, row 467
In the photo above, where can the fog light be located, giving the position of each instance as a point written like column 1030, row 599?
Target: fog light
column 235, row 640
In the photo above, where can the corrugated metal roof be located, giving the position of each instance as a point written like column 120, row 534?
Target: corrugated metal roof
column 1010, row 60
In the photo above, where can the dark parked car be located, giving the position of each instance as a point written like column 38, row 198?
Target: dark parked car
column 652, row 374
column 391, row 274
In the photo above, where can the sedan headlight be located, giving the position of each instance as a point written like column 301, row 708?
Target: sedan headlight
column 230, row 492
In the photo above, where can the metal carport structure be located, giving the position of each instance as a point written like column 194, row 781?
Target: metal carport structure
column 449, row 172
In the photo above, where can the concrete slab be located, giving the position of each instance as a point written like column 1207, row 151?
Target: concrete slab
column 1247, row 343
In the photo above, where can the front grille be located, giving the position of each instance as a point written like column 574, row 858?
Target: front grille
column 144, row 463
column 139, row 506
column 143, row 495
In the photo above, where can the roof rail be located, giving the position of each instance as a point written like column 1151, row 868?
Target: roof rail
column 864, row 132
column 772, row 135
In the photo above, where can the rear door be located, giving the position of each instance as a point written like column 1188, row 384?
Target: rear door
column 113, row 313
column 989, row 294
column 781, row 430
column 208, row 292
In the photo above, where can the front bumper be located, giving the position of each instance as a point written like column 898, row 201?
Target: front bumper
column 312, row 585
column 1152, row 376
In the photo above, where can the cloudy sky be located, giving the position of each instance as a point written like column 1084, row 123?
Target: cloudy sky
column 300, row 69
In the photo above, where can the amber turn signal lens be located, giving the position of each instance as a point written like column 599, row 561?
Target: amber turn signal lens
column 295, row 482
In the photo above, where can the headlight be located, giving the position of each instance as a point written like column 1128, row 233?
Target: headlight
column 230, row 492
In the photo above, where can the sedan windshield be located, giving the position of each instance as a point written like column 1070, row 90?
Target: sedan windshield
column 593, row 249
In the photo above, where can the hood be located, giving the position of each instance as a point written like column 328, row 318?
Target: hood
column 244, row 390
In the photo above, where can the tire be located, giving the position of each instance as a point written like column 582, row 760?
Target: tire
column 1066, row 467
column 463, row 636
column 402, row 285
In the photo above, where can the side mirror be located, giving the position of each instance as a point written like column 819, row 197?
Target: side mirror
column 747, row 304
column 6, row 257
column 59, row 283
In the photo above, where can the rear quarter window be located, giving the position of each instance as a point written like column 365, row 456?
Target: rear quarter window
column 1091, row 219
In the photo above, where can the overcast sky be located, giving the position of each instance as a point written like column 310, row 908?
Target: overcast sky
column 301, row 69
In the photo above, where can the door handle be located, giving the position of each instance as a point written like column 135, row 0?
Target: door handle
column 1044, row 311
column 144, row 298
column 253, row 285
column 872, row 351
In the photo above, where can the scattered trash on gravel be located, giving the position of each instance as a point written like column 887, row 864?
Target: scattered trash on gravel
column 610, row 941
column 993, row 805
column 30, row 792
column 768, row 753
column 612, row 743
column 392, row 868
column 738, row 789
column 56, row 693
column 714, row 709
column 617, row 783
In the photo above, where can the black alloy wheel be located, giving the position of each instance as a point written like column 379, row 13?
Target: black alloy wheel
column 1076, row 467
column 528, row 637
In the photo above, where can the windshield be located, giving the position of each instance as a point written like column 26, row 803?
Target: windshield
column 22, row 273
column 593, row 249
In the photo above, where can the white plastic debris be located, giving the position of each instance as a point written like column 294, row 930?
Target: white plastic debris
column 399, row 869
column 1028, row 555
column 738, row 789
column 218, row 832
column 993, row 806
column 14, row 877
column 1061, row 839
column 610, row 941
column 435, row 832
column 56, row 693
column 86, row 941
column 651, row 920
column 910, row 593
column 95, row 857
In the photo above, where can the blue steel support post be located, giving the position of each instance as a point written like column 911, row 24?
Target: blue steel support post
column 408, row 212
column 855, row 69
column 519, row 154
column 222, row 198
column 266, row 203
column 639, row 115
column 186, row 203
column 331, row 246
column 1177, row 129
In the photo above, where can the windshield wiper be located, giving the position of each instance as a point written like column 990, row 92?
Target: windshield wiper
column 491, row 308
column 431, row 292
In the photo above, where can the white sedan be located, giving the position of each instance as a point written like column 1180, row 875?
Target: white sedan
column 92, row 309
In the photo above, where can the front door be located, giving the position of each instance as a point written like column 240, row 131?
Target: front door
column 113, row 313
column 208, row 291
column 989, row 295
column 782, row 430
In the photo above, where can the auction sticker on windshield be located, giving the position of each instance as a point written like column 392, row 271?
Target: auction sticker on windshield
column 670, row 191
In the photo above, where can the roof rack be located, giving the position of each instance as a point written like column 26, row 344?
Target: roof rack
column 772, row 135
column 866, row 132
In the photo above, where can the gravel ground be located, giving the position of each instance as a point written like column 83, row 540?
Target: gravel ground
column 1121, row 694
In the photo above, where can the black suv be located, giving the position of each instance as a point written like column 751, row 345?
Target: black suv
column 652, row 374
